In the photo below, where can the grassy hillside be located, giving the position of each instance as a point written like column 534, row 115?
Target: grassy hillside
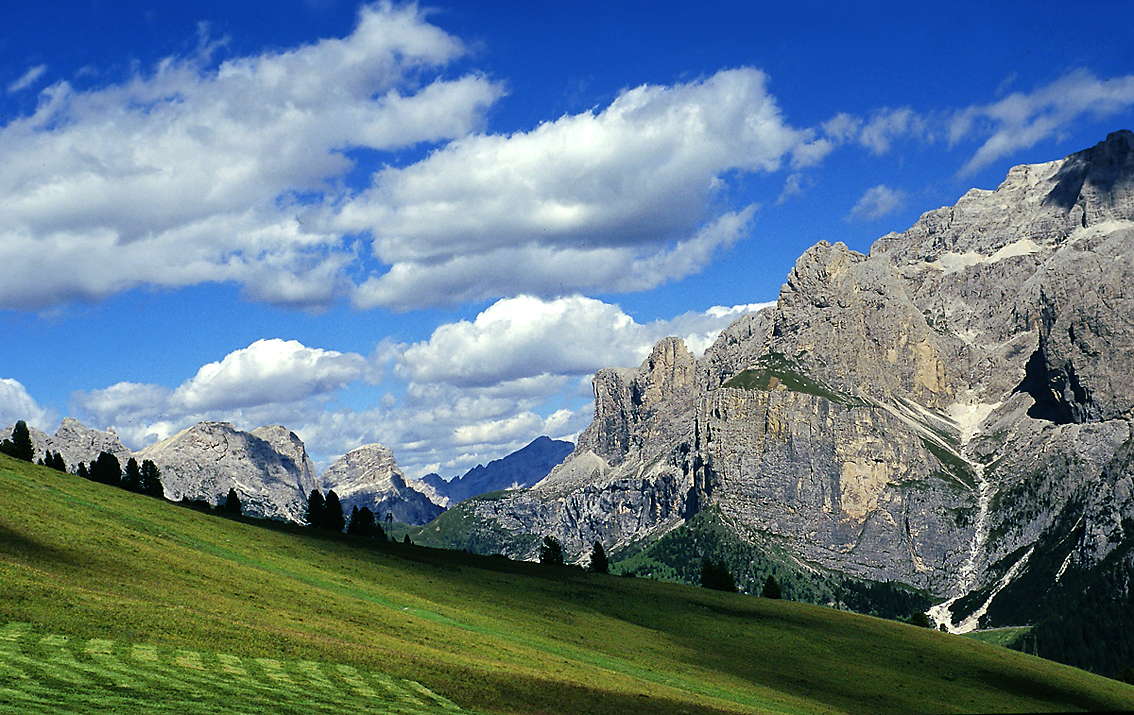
column 110, row 601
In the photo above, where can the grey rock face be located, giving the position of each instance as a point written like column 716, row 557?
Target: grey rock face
column 78, row 443
column 926, row 413
column 269, row 468
column 369, row 477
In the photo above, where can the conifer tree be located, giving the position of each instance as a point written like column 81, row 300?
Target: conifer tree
column 772, row 588
column 150, row 483
column 715, row 575
column 315, row 503
column 107, row 470
column 232, row 502
column 333, row 519
column 56, row 462
column 20, row 446
column 599, row 563
column 551, row 552
column 82, row 471
column 132, row 479
column 362, row 522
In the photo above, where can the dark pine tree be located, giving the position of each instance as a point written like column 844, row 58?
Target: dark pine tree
column 20, row 446
column 107, row 470
column 315, row 504
column 132, row 478
column 56, row 462
column 772, row 588
column 333, row 519
column 362, row 523
column 551, row 552
column 715, row 575
column 150, row 483
column 82, row 471
column 232, row 503
column 407, row 541
column 599, row 564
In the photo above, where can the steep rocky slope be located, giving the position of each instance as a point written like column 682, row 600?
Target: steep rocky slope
column 268, row 467
column 948, row 412
column 370, row 477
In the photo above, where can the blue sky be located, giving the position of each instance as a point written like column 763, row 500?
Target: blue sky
column 427, row 226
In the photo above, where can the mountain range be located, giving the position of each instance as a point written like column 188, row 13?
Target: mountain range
column 947, row 418
column 949, row 413
column 273, row 476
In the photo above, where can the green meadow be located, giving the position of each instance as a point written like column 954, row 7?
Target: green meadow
column 116, row 602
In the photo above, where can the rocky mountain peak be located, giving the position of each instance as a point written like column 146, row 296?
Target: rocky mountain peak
column 628, row 398
column 369, row 477
column 209, row 458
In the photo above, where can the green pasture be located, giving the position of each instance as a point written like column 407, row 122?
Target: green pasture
column 116, row 602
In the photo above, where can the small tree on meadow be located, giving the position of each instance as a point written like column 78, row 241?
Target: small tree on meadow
column 232, row 503
column 20, row 446
column 772, row 588
column 55, row 461
column 315, row 503
column 715, row 575
column 107, row 470
column 362, row 522
column 150, row 481
column 333, row 519
column 551, row 552
column 132, row 478
column 599, row 563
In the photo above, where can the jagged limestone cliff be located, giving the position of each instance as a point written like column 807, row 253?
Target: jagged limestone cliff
column 370, row 477
column 268, row 467
column 931, row 413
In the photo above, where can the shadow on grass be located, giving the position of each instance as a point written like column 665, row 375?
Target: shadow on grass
column 20, row 546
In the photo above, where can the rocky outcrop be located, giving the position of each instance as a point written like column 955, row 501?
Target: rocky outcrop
column 369, row 477
column 269, row 468
column 949, row 411
column 78, row 443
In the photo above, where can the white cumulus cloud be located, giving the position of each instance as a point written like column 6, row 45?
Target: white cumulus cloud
column 616, row 198
column 192, row 173
column 16, row 404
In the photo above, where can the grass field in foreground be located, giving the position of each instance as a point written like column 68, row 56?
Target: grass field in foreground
column 89, row 572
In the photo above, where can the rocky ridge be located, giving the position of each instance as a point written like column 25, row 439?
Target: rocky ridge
column 268, row 467
column 370, row 477
column 938, row 413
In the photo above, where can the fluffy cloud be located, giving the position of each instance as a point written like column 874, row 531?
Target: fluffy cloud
column 269, row 381
column 268, row 372
column 17, row 404
column 877, row 202
column 617, row 198
column 192, row 173
column 1021, row 120
column 525, row 337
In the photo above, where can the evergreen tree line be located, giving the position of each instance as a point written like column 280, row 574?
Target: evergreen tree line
column 551, row 554
column 106, row 469
column 326, row 513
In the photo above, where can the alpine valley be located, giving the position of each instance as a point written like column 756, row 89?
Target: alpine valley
column 943, row 425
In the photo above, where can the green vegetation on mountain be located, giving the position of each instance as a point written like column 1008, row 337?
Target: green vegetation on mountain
column 115, row 602
column 775, row 371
